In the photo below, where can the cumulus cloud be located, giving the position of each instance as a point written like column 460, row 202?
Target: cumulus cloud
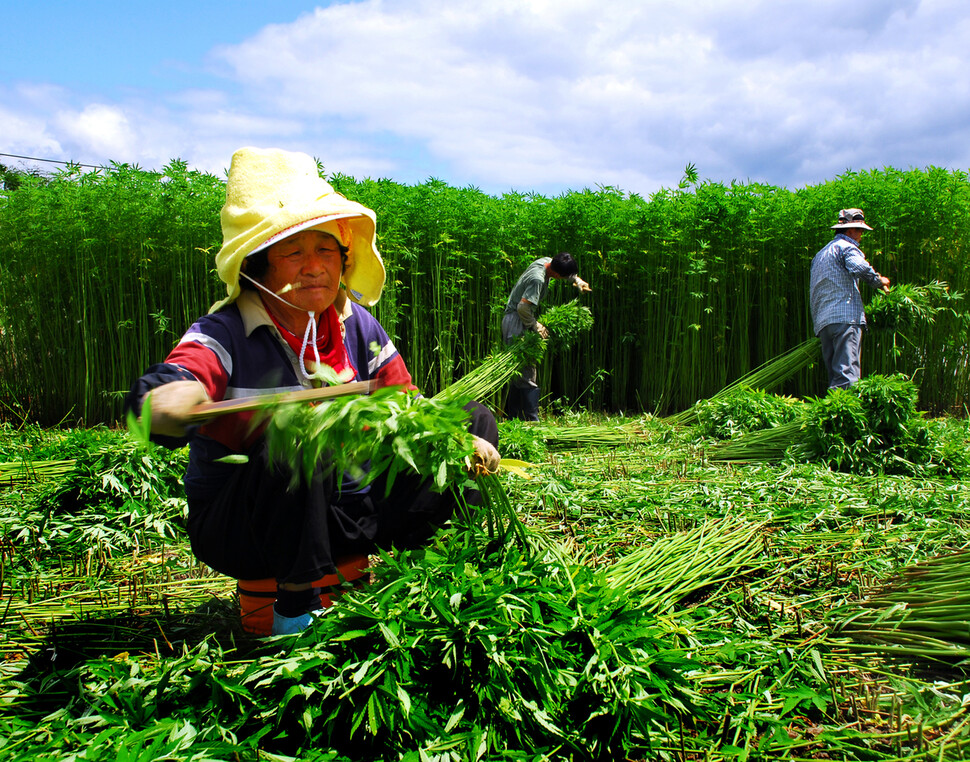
column 553, row 94
column 576, row 93
column 25, row 135
column 97, row 129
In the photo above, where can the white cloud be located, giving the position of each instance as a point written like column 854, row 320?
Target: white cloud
column 97, row 129
column 572, row 93
column 547, row 94
column 25, row 135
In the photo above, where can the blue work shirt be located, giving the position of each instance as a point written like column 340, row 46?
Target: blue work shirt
column 834, row 294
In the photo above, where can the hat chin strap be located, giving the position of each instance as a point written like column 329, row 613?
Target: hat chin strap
column 309, row 335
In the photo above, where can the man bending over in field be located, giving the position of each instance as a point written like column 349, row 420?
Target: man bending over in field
column 520, row 317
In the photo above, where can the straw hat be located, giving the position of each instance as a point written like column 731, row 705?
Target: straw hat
column 851, row 218
column 272, row 194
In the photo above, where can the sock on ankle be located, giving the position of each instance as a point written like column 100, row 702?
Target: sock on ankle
column 295, row 602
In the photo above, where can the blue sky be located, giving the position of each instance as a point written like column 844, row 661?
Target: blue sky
column 525, row 95
column 108, row 46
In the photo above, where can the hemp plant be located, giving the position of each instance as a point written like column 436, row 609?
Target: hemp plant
column 386, row 431
column 566, row 323
column 389, row 432
column 904, row 307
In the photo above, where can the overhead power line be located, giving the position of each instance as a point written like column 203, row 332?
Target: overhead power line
column 50, row 161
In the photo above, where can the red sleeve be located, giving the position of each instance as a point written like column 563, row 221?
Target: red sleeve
column 395, row 373
column 202, row 363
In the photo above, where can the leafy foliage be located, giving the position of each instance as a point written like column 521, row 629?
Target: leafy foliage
column 567, row 323
column 767, row 376
column 382, row 432
column 871, row 427
column 744, row 411
column 483, row 656
column 692, row 288
column 123, row 234
column 117, row 496
column 947, row 446
column 30, row 442
column 529, row 348
column 385, row 433
column 519, row 440
column 905, row 307
column 659, row 607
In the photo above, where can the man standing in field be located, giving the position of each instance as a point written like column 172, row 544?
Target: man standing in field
column 520, row 317
column 837, row 312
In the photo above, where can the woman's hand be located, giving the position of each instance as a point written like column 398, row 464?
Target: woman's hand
column 486, row 458
column 171, row 404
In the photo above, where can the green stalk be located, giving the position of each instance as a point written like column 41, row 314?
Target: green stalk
column 759, row 446
column 765, row 377
column 489, row 377
column 671, row 568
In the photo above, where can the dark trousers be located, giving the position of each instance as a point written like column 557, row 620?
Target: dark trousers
column 842, row 353
column 261, row 526
column 523, row 402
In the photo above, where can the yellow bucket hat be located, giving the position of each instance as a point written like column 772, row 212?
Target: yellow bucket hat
column 272, row 194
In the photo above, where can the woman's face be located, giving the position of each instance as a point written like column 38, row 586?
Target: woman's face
column 305, row 270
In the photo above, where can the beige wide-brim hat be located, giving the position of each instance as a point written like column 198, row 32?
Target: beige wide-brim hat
column 272, row 194
column 851, row 218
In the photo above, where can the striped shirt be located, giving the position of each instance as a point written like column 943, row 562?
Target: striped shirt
column 238, row 352
column 834, row 294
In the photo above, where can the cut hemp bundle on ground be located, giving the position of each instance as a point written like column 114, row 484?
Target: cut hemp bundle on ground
column 921, row 613
column 763, row 378
column 742, row 411
column 508, row 655
column 871, row 427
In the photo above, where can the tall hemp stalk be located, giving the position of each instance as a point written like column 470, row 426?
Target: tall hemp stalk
column 693, row 287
